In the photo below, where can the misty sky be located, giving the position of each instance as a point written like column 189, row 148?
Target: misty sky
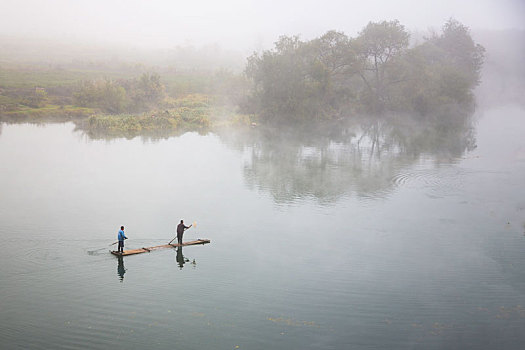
column 237, row 23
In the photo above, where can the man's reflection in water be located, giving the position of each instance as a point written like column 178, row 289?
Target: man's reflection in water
column 181, row 260
column 121, row 270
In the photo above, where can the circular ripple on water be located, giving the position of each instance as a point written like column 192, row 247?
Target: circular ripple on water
column 99, row 251
column 439, row 181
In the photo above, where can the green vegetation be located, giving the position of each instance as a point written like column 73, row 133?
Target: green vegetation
column 193, row 112
column 335, row 76
column 117, row 102
column 117, row 96
column 48, row 113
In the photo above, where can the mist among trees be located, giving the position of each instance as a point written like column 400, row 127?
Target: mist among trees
column 382, row 71
column 335, row 76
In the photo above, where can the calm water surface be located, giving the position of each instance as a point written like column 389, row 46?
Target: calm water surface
column 336, row 242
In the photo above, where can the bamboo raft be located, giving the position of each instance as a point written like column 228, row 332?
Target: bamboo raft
column 149, row 249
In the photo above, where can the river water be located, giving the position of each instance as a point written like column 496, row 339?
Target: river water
column 372, row 237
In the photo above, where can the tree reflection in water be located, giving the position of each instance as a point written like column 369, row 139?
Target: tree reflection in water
column 361, row 157
column 358, row 156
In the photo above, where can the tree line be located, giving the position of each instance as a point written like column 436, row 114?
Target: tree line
column 335, row 76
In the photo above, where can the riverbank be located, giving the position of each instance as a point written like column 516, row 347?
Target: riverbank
column 47, row 113
column 194, row 112
column 114, row 101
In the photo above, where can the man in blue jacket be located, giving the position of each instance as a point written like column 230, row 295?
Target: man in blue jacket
column 121, row 237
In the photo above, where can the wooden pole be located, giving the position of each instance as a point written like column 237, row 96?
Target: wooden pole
column 176, row 236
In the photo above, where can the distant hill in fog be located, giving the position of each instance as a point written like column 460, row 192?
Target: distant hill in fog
column 31, row 51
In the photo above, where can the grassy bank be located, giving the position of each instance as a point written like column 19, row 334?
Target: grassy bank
column 194, row 112
column 47, row 113
column 113, row 100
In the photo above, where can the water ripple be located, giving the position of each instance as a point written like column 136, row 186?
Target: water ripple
column 440, row 182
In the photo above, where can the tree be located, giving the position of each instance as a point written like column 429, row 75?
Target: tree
column 36, row 99
column 333, row 76
column 335, row 52
column 288, row 82
column 461, row 51
column 338, row 57
column 113, row 97
column 145, row 92
column 106, row 94
column 378, row 45
column 444, row 69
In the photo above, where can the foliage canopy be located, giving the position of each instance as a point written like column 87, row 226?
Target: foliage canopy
column 334, row 76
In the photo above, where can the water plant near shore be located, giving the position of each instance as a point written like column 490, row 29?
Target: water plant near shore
column 189, row 113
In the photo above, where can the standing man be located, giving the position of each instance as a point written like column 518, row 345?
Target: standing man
column 180, row 231
column 121, row 237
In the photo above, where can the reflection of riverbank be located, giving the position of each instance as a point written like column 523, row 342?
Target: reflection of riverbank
column 364, row 157
column 367, row 157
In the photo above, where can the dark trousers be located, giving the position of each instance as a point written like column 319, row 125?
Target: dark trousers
column 120, row 246
column 179, row 238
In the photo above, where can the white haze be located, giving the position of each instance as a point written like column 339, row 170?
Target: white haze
column 235, row 24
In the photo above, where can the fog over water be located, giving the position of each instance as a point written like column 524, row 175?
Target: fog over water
column 316, row 244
